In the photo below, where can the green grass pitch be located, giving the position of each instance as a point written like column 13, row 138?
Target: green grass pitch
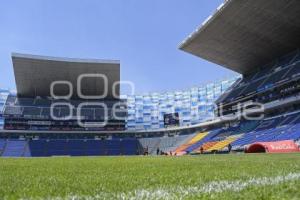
column 239, row 176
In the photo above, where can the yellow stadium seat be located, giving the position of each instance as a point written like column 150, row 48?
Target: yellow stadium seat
column 221, row 144
column 194, row 140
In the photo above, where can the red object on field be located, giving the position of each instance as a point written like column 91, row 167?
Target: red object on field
column 284, row 146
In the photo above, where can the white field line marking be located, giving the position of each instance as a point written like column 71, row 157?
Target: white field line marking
column 208, row 188
column 183, row 192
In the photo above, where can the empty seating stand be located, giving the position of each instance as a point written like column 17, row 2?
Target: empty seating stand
column 64, row 147
column 14, row 148
column 285, row 127
column 81, row 147
column 222, row 144
column 166, row 144
column 282, row 70
column 194, row 140
column 274, row 129
column 212, row 134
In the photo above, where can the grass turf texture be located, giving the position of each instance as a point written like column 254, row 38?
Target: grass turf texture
column 128, row 177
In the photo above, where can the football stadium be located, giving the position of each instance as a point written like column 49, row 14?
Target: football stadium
column 66, row 132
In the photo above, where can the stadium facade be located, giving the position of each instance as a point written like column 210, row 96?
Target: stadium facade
column 258, row 39
column 3, row 96
column 146, row 112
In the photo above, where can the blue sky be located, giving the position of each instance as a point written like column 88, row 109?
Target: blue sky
column 142, row 34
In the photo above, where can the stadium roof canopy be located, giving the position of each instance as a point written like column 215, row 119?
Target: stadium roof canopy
column 244, row 35
column 35, row 74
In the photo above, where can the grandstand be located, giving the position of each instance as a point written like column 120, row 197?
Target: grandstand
column 260, row 44
column 33, row 126
column 34, row 114
column 264, row 47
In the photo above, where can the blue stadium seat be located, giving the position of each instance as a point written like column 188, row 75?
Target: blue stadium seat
column 282, row 70
column 14, row 148
column 208, row 138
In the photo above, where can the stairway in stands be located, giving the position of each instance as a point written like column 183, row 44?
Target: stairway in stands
column 14, row 148
column 2, row 146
